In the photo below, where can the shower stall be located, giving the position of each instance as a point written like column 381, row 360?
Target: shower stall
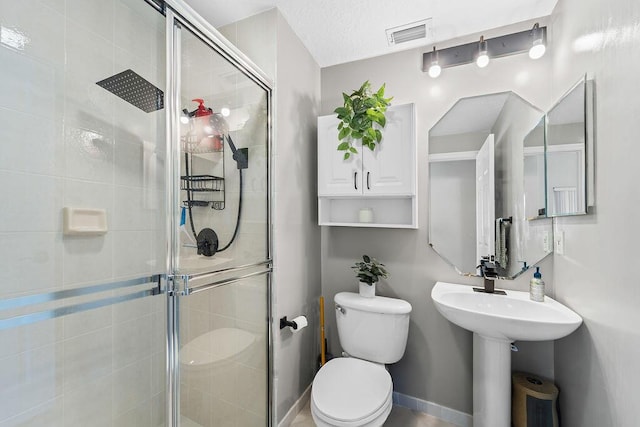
column 136, row 229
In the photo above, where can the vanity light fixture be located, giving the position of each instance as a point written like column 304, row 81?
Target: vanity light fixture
column 530, row 40
column 435, row 69
column 483, row 55
column 538, row 46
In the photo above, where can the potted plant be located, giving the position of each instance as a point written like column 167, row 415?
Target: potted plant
column 369, row 271
column 361, row 110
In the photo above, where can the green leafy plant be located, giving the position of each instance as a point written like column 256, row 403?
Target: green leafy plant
column 357, row 116
column 369, row 270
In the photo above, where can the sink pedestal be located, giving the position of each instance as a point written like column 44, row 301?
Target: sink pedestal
column 491, row 382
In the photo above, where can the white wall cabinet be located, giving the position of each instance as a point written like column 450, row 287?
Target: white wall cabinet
column 383, row 181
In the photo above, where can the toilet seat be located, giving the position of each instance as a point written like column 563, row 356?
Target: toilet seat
column 349, row 392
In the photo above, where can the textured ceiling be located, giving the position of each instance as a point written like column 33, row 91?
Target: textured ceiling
column 339, row 31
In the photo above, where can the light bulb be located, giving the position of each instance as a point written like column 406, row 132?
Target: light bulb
column 482, row 60
column 537, row 50
column 434, row 70
column 537, row 47
column 225, row 111
column 483, row 56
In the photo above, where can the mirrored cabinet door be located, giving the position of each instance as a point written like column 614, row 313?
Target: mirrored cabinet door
column 566, row 153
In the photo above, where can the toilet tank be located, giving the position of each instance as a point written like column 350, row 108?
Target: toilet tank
column 373, row 329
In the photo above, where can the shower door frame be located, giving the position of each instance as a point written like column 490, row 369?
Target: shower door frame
column 179, row 15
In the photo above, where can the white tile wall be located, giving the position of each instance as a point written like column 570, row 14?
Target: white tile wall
column 30, row 379
column 68, row 142
column 95, row 17
column 30, row 85
column 233, row 391
column 32, row 262
column 90, row 403
column 132, row 386
column 35, row 200
column 49, row 413
column 30, row 143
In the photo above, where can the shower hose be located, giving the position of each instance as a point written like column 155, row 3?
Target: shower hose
column 189, row 205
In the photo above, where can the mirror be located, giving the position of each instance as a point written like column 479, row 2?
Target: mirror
column 534, row 170
column 478, row 187
column 566, row 145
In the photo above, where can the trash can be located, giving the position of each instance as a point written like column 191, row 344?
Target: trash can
column 533, row 402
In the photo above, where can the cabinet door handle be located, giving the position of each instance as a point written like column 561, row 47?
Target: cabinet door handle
column 368, row 188
column 355, row 180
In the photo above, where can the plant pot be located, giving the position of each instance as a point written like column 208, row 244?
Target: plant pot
column 367, row 290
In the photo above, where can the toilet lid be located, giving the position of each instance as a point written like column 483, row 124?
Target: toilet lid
column 348, row 389
column 215, row 346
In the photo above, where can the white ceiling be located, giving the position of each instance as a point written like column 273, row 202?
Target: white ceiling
column 339, row 31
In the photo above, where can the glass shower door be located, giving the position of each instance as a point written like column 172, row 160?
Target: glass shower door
column 221, row 261
column 224, row 357
column 222, row 150
column 83, row 224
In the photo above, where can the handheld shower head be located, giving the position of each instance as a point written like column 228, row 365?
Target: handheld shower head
column 241, row 156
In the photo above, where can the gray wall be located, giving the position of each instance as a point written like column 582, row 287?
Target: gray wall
column 597, row 367
column 437, row 364
column 269, row 41
column 297, row 234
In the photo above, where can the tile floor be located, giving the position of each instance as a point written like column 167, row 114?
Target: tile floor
column 399, row 417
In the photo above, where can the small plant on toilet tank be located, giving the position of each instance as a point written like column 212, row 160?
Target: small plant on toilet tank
column 369, row 271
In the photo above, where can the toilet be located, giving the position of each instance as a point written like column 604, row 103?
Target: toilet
column 357, row 390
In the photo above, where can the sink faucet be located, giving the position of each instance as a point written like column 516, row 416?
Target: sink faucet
column 489, row 273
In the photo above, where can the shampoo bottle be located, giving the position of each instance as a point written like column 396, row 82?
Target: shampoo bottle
column 536, row 287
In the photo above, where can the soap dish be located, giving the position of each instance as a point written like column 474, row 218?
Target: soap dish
column 83, row 221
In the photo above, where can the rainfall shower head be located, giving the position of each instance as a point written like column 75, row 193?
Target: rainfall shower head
column 134, row 89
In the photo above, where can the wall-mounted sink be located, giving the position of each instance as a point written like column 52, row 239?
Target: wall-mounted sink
column 509, row 317
column 496, row 321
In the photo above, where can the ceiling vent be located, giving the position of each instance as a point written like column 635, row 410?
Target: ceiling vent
column 408, row 32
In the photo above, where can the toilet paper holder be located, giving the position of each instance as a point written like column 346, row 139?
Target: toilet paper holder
column 284, row 323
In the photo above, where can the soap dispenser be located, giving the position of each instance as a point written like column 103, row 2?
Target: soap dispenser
column 536, row 287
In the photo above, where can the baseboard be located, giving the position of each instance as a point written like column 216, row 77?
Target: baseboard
column 460, row 419
column 296, row 408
